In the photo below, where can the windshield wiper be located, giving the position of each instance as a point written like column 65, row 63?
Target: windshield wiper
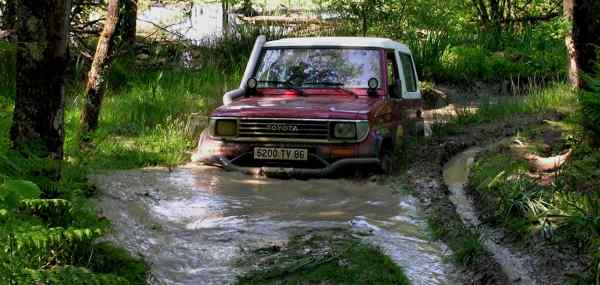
column 287, row 84
column 339, row 86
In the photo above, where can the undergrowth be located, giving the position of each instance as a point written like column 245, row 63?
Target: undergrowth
column 562, row 207
column 556, row 98
column 323, row 258
column 466, row 244
column 48, row 230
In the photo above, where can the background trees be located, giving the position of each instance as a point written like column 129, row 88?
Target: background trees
column 95, row 86
column 583, row 38
column 38, row 120
column 8, row 9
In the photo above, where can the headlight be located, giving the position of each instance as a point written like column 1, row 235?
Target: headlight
column 225, row 128
column 344, row 131
column 362, row 129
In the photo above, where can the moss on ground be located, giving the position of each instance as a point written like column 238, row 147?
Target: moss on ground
column 334, row 257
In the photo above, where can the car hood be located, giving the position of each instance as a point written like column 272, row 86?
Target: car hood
column 317, row 107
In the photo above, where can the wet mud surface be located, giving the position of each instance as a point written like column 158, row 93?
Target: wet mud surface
column 192, row 224
column 517, row 266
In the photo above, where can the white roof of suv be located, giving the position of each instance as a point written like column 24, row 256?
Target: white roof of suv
column 360, row 42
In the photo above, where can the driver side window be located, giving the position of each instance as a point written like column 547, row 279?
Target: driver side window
column 393, row 77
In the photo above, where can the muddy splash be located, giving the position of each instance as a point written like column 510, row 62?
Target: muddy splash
column 517, row 266
column 193, row 223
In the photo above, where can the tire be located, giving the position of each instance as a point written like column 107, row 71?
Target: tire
column 417, row 128
column 386, row 165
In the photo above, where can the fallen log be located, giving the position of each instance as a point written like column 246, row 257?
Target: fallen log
column 544, row 164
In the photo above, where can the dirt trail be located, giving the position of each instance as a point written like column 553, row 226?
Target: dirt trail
column 194, row 223
column 517, row 266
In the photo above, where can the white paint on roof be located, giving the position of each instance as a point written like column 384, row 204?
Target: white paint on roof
column 361, row 42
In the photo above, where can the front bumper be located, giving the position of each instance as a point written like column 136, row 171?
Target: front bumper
column 324, row 159
column 329, row 170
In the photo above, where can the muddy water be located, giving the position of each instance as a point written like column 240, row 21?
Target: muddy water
column 516, row 266
column 192, row 224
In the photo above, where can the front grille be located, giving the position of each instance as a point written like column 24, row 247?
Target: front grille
column 284, row 129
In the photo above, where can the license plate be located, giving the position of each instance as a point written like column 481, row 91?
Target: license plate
column 273, row 153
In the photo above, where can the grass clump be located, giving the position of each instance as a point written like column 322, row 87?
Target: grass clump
column 556, row 98
column 466, row 243
column 152, row 119
column 324, row 258
column 560, row 206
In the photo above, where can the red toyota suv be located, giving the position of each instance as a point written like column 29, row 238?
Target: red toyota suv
column 313, row 106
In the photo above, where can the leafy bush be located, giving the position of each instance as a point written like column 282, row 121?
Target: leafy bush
column 7, row 71
column 590, row 105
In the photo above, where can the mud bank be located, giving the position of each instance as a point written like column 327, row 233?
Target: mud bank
column 451, row 209
column 517, row 266
column 193, row 224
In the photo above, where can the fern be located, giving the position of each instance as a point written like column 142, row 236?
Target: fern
column 46, row 205
column 56, row 212
column 40, row 238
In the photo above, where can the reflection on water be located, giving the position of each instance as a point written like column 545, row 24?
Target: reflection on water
column 193, row 223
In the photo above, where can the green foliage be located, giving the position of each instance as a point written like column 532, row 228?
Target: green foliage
column 333, row 258
column 7, row 71
column 110, row 259
column 590, row 105
column 450, row 42
column 53, row 241
column 69, row 275
column 466, row 244
column 558, row 97
column 509, row 192
column 152, row 119
column 566, row 211
column 13, row 191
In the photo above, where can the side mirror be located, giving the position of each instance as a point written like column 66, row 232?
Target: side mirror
column 373, row 84
column 251, row 85
column 396, row 90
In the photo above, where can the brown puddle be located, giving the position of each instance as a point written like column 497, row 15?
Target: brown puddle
column 192, row 224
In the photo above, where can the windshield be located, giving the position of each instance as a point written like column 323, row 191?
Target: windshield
column 311, row 67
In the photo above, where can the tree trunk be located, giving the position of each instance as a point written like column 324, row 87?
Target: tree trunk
column 42, row 56
column 129, row 21
column 225, row 15
column 95, row 85
column 583, row 39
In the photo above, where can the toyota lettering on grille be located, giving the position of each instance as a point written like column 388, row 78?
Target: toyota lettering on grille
column 282, row 128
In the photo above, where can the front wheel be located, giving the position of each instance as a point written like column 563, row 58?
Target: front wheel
column 386, row 165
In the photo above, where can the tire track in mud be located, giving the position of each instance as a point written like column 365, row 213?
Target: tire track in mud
column 503, row 262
